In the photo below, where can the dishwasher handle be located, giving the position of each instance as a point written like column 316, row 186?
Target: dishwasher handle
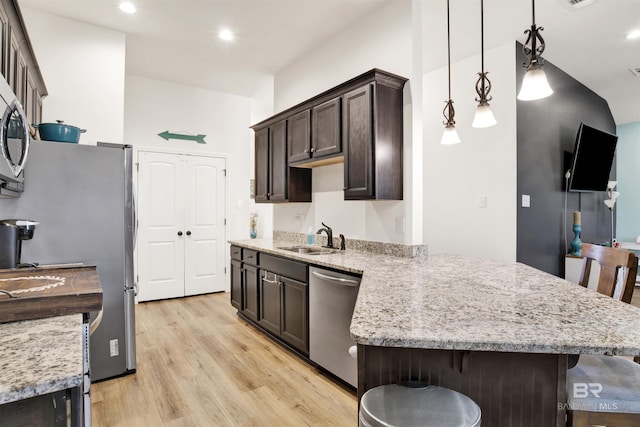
column 340, row 280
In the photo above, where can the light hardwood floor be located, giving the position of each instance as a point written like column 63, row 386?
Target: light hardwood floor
column 200, row 365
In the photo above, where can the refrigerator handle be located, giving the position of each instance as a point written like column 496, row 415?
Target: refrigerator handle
column 135, row 216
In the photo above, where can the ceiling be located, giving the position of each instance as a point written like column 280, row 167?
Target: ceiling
column 177, row 40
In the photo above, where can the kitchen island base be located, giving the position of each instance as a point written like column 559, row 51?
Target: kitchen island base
column 512, row 389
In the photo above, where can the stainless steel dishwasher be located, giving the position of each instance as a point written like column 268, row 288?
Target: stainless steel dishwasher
column 332, row 297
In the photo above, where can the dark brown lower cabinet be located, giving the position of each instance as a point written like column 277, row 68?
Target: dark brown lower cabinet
column 272, row 292
column 236, row 284
column 283, row 310
column 270, row 302
column 295, row 321
column 250, row 283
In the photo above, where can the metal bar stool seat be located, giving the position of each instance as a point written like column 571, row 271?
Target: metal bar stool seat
column 424, row 406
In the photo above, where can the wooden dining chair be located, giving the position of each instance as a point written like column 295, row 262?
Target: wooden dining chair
column 605, row 390
column 618, row 270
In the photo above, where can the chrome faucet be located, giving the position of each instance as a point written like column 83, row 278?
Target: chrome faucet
column 329, row 232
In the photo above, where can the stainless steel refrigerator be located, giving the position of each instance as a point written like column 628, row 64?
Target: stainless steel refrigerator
column 82, row 196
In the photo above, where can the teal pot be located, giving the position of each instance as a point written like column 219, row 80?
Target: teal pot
column 59, row 132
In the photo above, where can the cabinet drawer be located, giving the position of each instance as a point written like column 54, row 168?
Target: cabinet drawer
column 285, row 267
column 250, row 256
column 236, row 252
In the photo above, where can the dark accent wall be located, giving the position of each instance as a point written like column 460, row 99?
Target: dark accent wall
column 546, row 129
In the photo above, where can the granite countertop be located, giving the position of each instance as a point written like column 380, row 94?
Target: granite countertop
column 40, row 356
column 464, row 303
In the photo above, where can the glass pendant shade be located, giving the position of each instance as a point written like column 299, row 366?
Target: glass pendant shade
column 484, row 117
column 450, row 136
column 534, row 85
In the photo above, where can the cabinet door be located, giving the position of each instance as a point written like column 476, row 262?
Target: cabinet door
column 13, row 47
column 270, row 302
column 4, row 41
column 30, row 104
column 235, row 274
column 262, row 165
column 299, row 136
column 21, row 77
column 295, row 320
column 326, row 138
column 278, row 162
column 358, row 139
column 250, row 283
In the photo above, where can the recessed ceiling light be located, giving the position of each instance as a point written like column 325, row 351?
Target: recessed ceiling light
column 127, row 7
column 225, row 35
column 633, row 34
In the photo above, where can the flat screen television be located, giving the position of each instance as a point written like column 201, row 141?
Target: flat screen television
column 592, row 159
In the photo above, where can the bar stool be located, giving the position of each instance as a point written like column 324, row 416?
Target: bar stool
column 413, row 405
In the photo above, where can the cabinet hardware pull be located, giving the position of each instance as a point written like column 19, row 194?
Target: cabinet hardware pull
column 188, row 233
column 179, row 233
column 313, row 150
column 305, row 151
column 275, row 280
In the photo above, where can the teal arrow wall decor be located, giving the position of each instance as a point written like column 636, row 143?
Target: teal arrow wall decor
column 197, row 138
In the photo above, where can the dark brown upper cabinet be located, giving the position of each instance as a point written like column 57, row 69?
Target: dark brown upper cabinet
column 326, row 135
column 278, row 162
column 372, row 129
column 359, row 123
column 299, row 137
column 275, row 181
column 18, row 64
column 314, row 135
column 358, row 134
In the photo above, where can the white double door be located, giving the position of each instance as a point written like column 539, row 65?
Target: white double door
column 181, row 225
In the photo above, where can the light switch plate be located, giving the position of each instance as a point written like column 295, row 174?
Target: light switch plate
column 526, row 201
column 482, row 201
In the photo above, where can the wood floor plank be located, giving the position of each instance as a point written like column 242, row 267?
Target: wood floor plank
column 200, row 365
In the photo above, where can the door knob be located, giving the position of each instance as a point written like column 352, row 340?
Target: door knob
column 179, row 233
column 188, row 233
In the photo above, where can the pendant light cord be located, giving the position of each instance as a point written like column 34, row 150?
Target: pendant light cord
column 482, row 33
column 449, row 49
column 533, row 12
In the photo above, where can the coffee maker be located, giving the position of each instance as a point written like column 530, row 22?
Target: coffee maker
column 12, row 233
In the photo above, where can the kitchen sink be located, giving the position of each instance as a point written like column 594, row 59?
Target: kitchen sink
column 309, row 250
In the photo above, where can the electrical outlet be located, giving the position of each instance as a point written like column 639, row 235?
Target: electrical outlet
column 114, row 349
column 400, row 224
column 482, row 201
column 526, row 201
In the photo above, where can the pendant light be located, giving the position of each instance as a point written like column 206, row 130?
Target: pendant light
column 484, row 116
column 534, row 84
column 449, row 136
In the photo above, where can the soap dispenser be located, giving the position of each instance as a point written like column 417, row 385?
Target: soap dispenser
column 311, row 237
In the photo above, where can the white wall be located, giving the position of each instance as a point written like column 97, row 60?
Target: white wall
column 154, row 106
column 83, row 68
column 483, row 164
column 384, row 40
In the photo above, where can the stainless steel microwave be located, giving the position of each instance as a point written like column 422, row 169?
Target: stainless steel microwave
column 14, row 142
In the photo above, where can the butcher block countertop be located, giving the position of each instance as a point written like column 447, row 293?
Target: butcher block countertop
column 462, row 303
column 49, row 291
